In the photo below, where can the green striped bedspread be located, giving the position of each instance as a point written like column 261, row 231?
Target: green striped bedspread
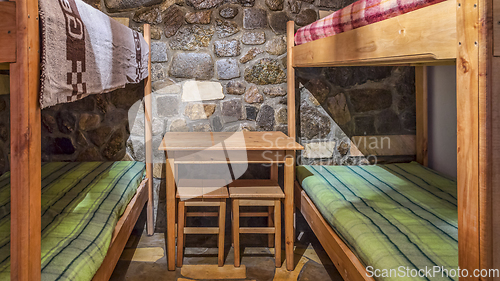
column 396, row 216
column 81, row 204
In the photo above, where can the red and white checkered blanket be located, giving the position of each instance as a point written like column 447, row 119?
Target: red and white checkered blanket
column 358, row 14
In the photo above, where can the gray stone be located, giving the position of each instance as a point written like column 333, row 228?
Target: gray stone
column 173, row 20
column 178, row 125
column 94, row 3
column 160, row 84
column 225, row 28
column 236, row 88
column 266, row 71
column 216, row 124
column 409, row 120
column 253, row 38
column 114, row 148
column 204, row 127
column 155, row 32
column 226, row 48
column 157, row 71
column 357, row 75
column 387, row 122
column 318, row 88
column 364, row 100
column 88, row 155
column 151, row 15
column 89, row 121
column 48, row 121
column 265, row 118
column 228, row 12
column 167, row 106
column 201, row 91
column 197, row 111
column 193, row 37
column 120, row 5
column 247, row 3
column 137, row 128
column 58, row 146
column 337, row 106
column 281, row 115
column 277, row 46
column 158, row 51
column 66, row 122
column 201, row 17
column 231, row 110
column 250, row 55
column 281, row 128
column 317, row 125
column 275, row 91
column 275, row 5
column 321, row 149
column 278, row 21
column 306, row 17
column 364, row 125
column 227, row 69
column 334, row 4
column 251, row 112
column 135, row 146
column 343, row 148
column 252, row 95
column 99, row 135
column 192, row 65
column 204, row 4
column 254, row 18
column 295, row 6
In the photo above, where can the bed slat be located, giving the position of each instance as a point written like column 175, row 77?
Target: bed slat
column 422, row 36
column 8, row 32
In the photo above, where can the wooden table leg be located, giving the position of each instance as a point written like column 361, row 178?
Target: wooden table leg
column 289, row 173
column 270, row 221
column 170, row 198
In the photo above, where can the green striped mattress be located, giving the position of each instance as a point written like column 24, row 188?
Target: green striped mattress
column 389, row 215
column 81, row 204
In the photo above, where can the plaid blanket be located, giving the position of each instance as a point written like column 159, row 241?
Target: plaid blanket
column 86, row 52
column 358, row 14
column 81, row 204
column 391, row 216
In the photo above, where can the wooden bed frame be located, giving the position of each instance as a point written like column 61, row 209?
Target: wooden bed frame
column 461, row 32
column 20, row 46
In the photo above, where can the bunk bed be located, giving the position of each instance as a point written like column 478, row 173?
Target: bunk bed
column 448, row 32
column 126, row 186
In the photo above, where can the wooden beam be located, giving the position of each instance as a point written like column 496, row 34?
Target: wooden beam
column 468, row 134
column 148, row 134
column 496, row 29
column 424, row 35
column 290, row 72
column 422, row 113
column 8, row 32
column 25, row 142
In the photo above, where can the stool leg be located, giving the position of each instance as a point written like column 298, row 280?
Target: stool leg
column 222, row 227
column 270, row 237
column 277, row 233
column 236, row 231
column 180, row 232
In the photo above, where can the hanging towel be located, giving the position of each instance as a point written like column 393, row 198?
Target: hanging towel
column 86, row 52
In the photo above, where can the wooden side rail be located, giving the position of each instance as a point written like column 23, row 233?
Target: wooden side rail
column 8, row 32
column 427, row 35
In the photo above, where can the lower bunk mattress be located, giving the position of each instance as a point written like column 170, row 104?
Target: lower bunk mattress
column 81, row 205
column 393, row 217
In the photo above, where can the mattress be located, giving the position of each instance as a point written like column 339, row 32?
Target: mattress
column 81, row 204
column 395, row 216
column 358, row 14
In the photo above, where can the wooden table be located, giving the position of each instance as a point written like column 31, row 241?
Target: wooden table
column 270, row 148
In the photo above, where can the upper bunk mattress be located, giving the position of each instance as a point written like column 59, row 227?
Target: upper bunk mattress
column 358, row 14
column 391, row 216
column 81, row 204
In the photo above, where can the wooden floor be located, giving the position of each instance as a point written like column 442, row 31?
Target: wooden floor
column 144, row 259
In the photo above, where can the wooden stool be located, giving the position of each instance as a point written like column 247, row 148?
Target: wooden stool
column 201, row 193
column 256, row 193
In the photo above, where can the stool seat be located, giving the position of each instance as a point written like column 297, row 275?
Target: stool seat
column 250, row 189
column 201, row 189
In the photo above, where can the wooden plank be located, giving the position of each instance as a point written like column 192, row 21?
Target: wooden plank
column 236, row 231
column 496, row 29
column 201, row 230
column 251, row 202
column 344, row 259
column 8, row 32
column 222, row 230
column 122, row 231
column 289, row 179
column 494, row 156
column 468, row 135
column 219, row 157
column 277, row 233
column 257, row 230
column 422, row 114
column 170, row 206
column 25, row 143
column 395, row 40
column 181, row 220
column 383, row 145
column 148, row 134
column 290, row 73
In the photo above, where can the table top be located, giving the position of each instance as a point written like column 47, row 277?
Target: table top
column 175, row 141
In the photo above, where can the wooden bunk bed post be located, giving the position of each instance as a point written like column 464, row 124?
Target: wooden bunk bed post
column 422, row 113
column 25, row 147
column 148, row 134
